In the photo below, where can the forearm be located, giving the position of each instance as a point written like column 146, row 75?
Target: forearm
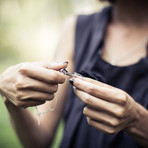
column 139, row 130
column 30, row 134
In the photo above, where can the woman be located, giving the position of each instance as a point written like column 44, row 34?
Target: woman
column 110, row 48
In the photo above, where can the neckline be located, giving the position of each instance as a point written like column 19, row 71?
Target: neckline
column 109, row 15
column 124, row 66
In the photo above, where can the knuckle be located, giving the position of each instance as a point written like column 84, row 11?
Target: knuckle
column 89, row 121
column 54, row 77
column 62, row 79
column 122, row 98
column 57, row 77
column 19, row 83
column 24, row 68
column 111, row 131
column 54, row 88
column 50, row 97
column 85, row 111
column 120, row 112
column 87, row 99
column 91, row 89
column 19, row 95
column 115, row 123
column 19, row 104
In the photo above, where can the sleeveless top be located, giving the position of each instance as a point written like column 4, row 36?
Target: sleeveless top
column 133, row 79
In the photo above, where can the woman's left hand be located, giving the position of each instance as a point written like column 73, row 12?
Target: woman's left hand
column 108, row 109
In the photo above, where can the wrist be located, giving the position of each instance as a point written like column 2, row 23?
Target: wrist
column 9, row 105
column 139, row 114
column 139, row 129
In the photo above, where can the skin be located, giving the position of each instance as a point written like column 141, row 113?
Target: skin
column 30, row 84
column 111, row 110
column 28, row 87
column 108, row 109
column 41, row 78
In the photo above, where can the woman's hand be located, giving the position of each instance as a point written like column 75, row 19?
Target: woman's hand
column 107, row 108
column 30, row 84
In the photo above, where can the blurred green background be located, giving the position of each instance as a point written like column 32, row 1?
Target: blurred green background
column 29, row 31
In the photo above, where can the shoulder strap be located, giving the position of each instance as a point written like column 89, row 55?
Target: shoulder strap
column 89, row 33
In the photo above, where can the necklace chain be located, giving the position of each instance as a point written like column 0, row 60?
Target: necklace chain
column 138, row 47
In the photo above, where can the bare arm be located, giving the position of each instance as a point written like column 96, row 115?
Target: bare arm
column 44, row 80
column 139, row 130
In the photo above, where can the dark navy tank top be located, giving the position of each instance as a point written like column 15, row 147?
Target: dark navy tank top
column 133, row 79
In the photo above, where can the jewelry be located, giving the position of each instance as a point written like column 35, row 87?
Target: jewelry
column 38, row 113
column 138, row 47
column 65, row 72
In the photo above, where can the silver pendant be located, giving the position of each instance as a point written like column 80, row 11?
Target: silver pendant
column 113, row 62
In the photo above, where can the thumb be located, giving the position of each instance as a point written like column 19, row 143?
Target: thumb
column 53, row 65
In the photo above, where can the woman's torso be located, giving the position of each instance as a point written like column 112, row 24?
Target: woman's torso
column 133, row 79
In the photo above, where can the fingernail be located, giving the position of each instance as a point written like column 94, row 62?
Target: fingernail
column 71, row 81
column 66, row 62
column 59, row 62
column 77, row 74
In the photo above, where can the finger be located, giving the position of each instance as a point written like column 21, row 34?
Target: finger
column 42, row 74
column 102, row 127
column 36, row 85
column 29, row 103
column 102, row 117
column 106, row 93
column 33, row 95
column 99, row 104
column 55, row 65
column 94, row 82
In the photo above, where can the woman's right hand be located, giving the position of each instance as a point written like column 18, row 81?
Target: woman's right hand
column 31, row 84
